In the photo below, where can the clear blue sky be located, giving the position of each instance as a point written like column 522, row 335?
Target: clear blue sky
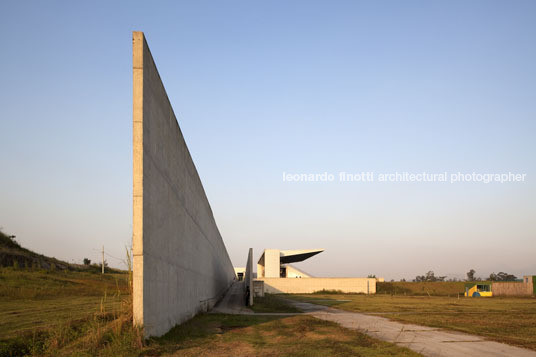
column 266, row 87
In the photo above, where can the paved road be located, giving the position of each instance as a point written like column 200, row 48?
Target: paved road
column 234, row 301
column 425, row 340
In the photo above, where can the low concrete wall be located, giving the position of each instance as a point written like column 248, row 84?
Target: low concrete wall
column 258, row 288
column 181, row 265
column 311, row 285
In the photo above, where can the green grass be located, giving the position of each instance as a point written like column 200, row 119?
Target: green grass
column 328, row 291
column 271, row 303
column 44, row 284
column 247, row 335
column 65, row 313
column 53, row 312
column 508, row 320
column 97, row 334
column 439, row 288
column 7, row 242
column 21, row 316
column 31, row 300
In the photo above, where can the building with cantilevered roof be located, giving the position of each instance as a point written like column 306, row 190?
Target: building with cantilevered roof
column 275, row 263
column 276, row 274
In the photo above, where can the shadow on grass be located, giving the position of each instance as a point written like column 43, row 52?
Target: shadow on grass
column 206, row 328
column 310, row 298
column 272, row 303
column 254, row 335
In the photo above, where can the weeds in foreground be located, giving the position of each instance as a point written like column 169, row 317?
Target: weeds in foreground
column 102, row 333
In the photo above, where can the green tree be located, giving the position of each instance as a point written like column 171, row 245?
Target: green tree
column 502, row 276
column 471, row 275
column 430, row 276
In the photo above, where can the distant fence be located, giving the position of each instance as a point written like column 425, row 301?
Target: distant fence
column 514, row 288
column 425, row 288
column 446, row 288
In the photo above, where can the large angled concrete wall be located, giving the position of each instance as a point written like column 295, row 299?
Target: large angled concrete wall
column 181, row 265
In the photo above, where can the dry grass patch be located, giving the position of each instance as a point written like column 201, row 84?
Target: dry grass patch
column 507, row 320
column 63, row 313
column 272, row 303
column 424, row 288
column 249, row 335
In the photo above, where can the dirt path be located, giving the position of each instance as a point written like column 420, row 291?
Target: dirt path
column 425, row 340
column 422, row 339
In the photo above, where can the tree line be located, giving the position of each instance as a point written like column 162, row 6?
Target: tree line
column 500, row 276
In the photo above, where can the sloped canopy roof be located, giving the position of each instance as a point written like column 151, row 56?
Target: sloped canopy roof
column 294, row 256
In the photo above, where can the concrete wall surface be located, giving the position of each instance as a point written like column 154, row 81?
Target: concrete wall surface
column 181, row 265
column 293, row 272
column 271, row 263
column 258, row 288
column 248, row 277
column 311, row 285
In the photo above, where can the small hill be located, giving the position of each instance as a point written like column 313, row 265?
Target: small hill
column 12, row 254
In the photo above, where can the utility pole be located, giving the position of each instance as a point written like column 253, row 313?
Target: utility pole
column 103, row 259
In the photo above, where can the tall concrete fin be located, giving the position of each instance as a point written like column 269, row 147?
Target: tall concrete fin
column 248, row 278
column 181, row 265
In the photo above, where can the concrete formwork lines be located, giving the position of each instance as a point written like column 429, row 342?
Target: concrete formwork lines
column 180, row 199
column 181, row 265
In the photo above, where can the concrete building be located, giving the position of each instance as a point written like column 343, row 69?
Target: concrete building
column 240, row 272
column 276, row 275
column 275, row 263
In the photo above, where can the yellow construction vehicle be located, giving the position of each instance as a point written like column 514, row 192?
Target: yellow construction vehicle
column 478, row 289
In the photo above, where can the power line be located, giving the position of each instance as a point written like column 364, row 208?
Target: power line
column 111, row 256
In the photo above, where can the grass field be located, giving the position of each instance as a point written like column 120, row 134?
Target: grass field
column 63, row 313
column 31, row 300
column 425, row 288
column 246, row 335
column 85, row 314
column 508, row 320
column 18, row 317
column 39, row 284
column 271, row 303
column 53, row 312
